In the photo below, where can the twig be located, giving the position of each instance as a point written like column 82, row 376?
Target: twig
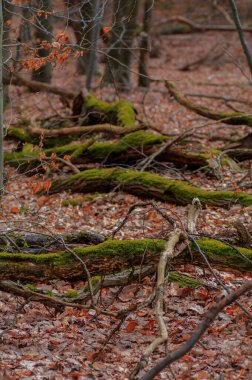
column 194, row 338
column 167, row 254
column 147, row 161
column 143, row 204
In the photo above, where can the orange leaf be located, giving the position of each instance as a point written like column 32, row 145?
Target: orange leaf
column 187, row 358
column 105, row 29
column 131, row 326
column 186, row 337
column 14, row 210
column 47, row 185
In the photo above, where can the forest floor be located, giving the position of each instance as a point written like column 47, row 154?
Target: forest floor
column 39, row 344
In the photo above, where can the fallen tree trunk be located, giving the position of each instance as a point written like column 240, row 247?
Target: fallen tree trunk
column 166, row 28
column 112, row 256
column 39, row 86
column 235, row 118
column 129, row 149
column 148, row 185
column 39, row 243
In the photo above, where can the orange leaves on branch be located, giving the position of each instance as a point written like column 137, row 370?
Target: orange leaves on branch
column 42, row 185
column 62, row 37
column 106, row 29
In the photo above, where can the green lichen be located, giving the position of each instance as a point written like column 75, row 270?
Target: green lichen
column 122, row 110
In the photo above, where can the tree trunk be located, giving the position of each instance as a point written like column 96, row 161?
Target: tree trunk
column 113, row 256
column 122, row 37
column 7, row 16
column 43, row 32
column 1, row 100
column 82, row 27
column 143, row 79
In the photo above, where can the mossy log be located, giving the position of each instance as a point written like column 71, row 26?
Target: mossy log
column 235, row 118
column 129, row 149
column 147, row 185
column 62, row 136
column 112, row 256
column 122, row 112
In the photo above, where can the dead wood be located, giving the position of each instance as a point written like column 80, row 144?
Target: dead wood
column 161, row 28
column 39, row 86
column 237, row 118
column 147, row 185
column 112, row 256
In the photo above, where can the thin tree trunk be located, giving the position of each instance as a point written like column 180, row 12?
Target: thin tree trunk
column 1, row 98
column 94, row 37
column 119, row 53
column 143, row 79
column 83, row 32
column 43, row 32
column 7, row 15
column 244, row 43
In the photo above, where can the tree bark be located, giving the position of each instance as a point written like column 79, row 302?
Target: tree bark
column 143, row 79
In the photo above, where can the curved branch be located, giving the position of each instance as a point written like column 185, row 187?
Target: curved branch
column 238, row 118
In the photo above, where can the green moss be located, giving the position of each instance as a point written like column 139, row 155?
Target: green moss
column 137, row 139
column 174, row 28
column 94, row 281
column 239, row 118
column 31, row 287
column 214, row 248
column 70, row 294
column 80, row 200
column 113, row 255
column 124, row 248
column 19, row 134
column 22, row 156
column 184, row 280
column 123, row 110
column 73, row 202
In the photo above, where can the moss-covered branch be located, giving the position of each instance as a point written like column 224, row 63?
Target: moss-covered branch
column 148, row 185
column 110, row 257
column 128, row 149
column 235, row 118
